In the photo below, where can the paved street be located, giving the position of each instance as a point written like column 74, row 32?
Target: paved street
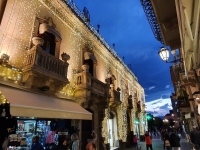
column 158, row 145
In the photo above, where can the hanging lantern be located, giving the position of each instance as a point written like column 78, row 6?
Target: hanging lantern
column 164, row 54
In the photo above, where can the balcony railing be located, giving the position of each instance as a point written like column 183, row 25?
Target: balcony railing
column 39, row 60
column 148, row 9
column 130, row 103
column 114, row 97
column 86, row 81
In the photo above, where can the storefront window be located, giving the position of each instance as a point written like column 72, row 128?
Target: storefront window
column 47, row 130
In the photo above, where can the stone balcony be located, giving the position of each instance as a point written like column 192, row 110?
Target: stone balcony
column 114, row 97
column 86, row 84
column 129, row 103
column 183, row 107
column 44, row 71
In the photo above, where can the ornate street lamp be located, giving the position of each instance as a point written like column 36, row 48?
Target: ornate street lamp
column 164, row 54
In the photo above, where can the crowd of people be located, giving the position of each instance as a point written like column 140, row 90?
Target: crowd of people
column 171, row 139
column 63, row 143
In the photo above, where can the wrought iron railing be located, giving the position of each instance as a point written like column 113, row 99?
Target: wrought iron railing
column 80, row 14
column 148, row 9
column 40, row 59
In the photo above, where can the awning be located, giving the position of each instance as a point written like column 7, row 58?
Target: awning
column 27, row 104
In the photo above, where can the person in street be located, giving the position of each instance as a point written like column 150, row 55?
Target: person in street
column 94, row 137
column 91, row 146
column 62, row 143
column 148, row 141
column 174, row 140
column 167, row 143
column 135, row 139
column 163, row 137
column 195, row 138
column 35, row 144
column 75, row 144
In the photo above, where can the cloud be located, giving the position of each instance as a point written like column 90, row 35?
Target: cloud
column 167, row 86
column 152, row 87
column 159, row 107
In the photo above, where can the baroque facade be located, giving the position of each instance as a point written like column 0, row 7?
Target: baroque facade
column 50, row 48
column 178, row 28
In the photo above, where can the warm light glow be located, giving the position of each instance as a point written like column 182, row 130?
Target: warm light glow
column 164, row 54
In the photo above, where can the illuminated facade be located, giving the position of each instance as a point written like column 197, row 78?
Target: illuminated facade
column 50, row 48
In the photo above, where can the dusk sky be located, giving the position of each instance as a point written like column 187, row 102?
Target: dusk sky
column 125, row 24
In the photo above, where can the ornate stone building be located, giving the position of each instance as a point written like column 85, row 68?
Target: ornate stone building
column 50, row 48
column 178, row 28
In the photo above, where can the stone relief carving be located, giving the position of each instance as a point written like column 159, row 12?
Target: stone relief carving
column 28, row 77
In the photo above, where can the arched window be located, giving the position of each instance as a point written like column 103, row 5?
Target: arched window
column 52, row 38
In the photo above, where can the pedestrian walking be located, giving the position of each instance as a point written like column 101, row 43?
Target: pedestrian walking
column 74, row 138
column 195, row 138
column 135, row 140
column 35, row 144
column 163, row 137
column 174, row 140
column 167, row 143
column 91, row 146
column 148, row 141
column 62, row 143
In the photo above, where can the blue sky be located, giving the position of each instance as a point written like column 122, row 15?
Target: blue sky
column 125, row 24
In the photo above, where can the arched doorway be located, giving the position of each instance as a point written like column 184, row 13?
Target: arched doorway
column 112, row 130
column 87, row 128
column 129, row 132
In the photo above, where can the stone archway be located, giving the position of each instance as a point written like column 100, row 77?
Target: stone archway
column 87, row 128
column 112, row 130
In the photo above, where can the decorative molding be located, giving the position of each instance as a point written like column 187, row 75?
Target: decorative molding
column 28, row 77
column 122, row 122
column 105, row 126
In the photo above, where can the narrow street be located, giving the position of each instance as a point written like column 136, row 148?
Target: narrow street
column 158, row 145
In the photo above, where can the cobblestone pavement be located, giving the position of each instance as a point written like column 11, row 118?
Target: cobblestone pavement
column 158, row 145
